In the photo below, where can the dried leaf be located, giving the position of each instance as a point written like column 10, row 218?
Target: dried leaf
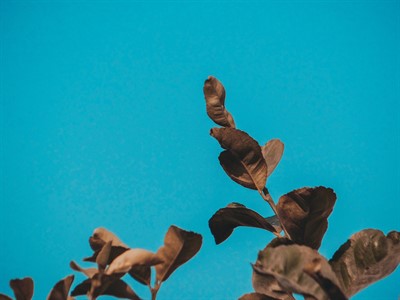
column 313, row 269
column 286, row 264
column 243, row 161
column 118, row 289
column 89, row 272
column 23, row 288
column 366, row 257
column 132, row 258
column 267, row 285
column 304, row 213
column 179, row 246
column 61, row 290
column 225, row 220
column 103, row 256
column 272, row 152
column 256, row 296
column 214, row 94
column 99, row 238
column 4, row 297
column 141, row 273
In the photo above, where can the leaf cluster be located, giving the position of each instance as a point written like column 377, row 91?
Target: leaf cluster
column 114, row 260
column 290, row 264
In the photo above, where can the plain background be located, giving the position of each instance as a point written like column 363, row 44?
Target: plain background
column 104, row 124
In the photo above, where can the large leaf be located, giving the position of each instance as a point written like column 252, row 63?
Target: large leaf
column 366, row 257
column 23, row 288
column 304, row 213
column 4, row 297
column 179, row 246
column 272, row 152
column 268, row 285
column 132, row 258
column 61, row 289
column 214, row 94
column 243, row 161
column 225, row 220
column 286, row 264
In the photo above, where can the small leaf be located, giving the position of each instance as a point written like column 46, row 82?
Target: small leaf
column 304, row 213
column 120, row 289
column 243, row 161
column 23, row 288
column 61, row 290
column 214, row 93
column 366, row 257
column 313, row 269
column 90, row 272
column 286, row 264
column 225, row 220
column 272, row 152
column 141, row 273
column 99, row 238
column 256, row 296
column 103, row 256
column 132, row 258
column 179, row 246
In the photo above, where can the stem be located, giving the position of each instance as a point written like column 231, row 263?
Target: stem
column 267, row 197
column 154, row 291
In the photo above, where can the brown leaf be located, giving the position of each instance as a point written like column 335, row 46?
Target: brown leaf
column 304, row 213
column 214, row 94
column 313, row 269
column 132, row 258
column 268, row 285
column 257, row 296
column 141, row 273
column 99, row 238
column 89, row 272
column 23, row 288
column 103, row 256
column 286, row 264
column 116, row 288
column 61, row 290
column 4, row 297
column 366, row 257
column 272, row 152
column 225, row 220
column 179, row 246
column 243, row 161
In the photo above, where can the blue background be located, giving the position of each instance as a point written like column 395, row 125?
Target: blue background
column 104, row 124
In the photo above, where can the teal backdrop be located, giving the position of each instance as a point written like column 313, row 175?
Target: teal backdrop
column 103, row 123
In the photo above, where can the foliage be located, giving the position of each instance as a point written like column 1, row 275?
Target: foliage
column 291, row 263
column 114, row 260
